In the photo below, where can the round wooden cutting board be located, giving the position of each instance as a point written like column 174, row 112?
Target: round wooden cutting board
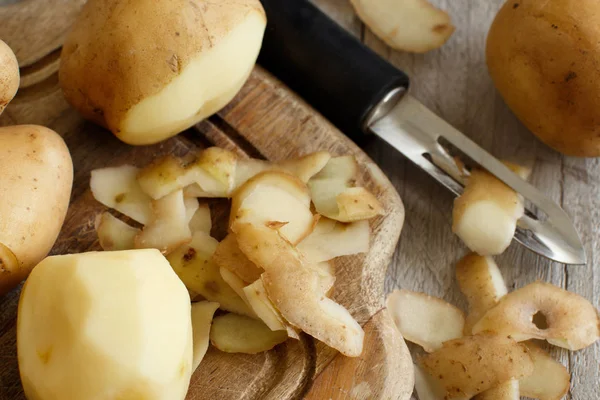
column 265, row 121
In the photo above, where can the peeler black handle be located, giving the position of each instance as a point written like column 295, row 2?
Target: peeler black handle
column 327, row 66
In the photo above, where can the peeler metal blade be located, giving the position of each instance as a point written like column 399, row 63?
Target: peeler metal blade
column 418, row 133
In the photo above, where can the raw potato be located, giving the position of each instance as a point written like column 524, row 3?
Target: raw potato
column 550, row 380
column 202, row 317
column 233, row 333
column 544, row 60
column 277, row 199
column 169, row 174
column 169, row 227
column 148, row 70
column 485, row 216
column 425, row 320
column 229, row 256
column 105, row 325
column 9, row 75
column 117, row 188
column 572, row 321
column 411, row 25
column 331, row 239
column 36, row 175
column 193, row 265
column 482, row 284
column 334, row 196
column 470, row 365
column 114, row 234
column 294, row 290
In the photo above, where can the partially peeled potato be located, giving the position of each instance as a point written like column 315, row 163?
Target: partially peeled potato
column 148, row 70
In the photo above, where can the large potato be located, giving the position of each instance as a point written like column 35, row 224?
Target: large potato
column 544, row 58
column 148, row 69
column 107, row 325
column 36, row 175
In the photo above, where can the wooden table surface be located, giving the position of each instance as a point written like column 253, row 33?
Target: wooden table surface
column 454, row 82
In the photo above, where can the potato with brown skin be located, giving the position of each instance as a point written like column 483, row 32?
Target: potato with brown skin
column 148, row 70
column 9, row 75
column 36, row 176
column 544, row 59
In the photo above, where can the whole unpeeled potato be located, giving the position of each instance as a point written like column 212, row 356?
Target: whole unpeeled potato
column 148, row 69
column 544, row 57
column 36, row 176
column 9, row 75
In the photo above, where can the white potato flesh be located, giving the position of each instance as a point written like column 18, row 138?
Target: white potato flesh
column 235, row 283
column 207, row 84
column 427, row 388
column 168, row 229
column 247, row 169
column 191, row 206
column 409, row 25
column 117, row 188
column 306, row 167
column 76, row 342
column 201, row 220
column 194, row 266
column 202, row 316
column 331, row 239
column 425, row 320
column 114, row 234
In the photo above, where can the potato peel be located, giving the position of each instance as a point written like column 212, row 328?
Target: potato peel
column 192, row 263
column 169, row 227
column 550, row 380
column 508, row 390
column 229, row 256
column 233, row 333
column 425, row 320
column 409, row 25
column 117, row 188
column 114, row 234
column 8, row 260
column 573, row 322
column 482, row 284
column 202, row 316
column 294, row 290
column 471, row 365
column 201, row 220
column 330, row 239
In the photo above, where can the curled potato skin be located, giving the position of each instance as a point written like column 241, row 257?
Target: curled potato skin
column 544, row 59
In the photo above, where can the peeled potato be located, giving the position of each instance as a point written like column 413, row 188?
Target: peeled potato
column 233, row 333
column 9, row 75
column 470, row 365
column 105, row 325
column 409, row 25
column 192, row 263
column 425, row 320
column 572, row 321
column 148, row 70
column 36, row 175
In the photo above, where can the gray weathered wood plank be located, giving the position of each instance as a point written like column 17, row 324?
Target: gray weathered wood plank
column 454, row 82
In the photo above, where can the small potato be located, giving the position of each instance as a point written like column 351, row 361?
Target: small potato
column 149, row 69
column 543, row 57
column 233, row 333
column 202, row 316
column 9, row 75
column 36, row 175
